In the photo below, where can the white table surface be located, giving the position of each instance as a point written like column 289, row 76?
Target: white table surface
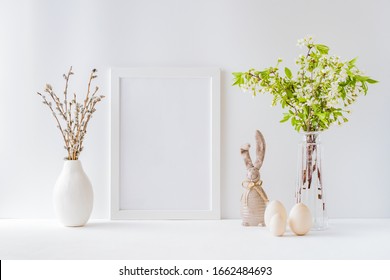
column 221, row 239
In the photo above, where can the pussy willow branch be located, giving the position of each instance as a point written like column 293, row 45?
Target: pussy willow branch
column 55, row 117
column 85, row 110
column 67, row 77
column 74, row 115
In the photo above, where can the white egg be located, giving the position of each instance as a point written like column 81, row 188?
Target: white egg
column 277, row 225
column 274, row 207
column 300, row 219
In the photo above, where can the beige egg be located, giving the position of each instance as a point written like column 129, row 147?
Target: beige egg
column 300, row 219
column 277, row 225
column 274, row 207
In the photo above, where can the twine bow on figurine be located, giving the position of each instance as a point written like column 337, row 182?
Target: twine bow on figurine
column 254, row 199
column 257, row 186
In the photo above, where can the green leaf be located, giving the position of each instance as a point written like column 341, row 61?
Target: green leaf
column 264, row 74
column 288, row 72
column 352, row 61
column 302, row 100
column 364, row 78
column 286, row 117
column 238, row 78
column 371, row 81
column 289, row 93
column 361, row 78
column 236, row 82
column 322, row 48
column 321, row 116
column 293, row 121
column 364, row 86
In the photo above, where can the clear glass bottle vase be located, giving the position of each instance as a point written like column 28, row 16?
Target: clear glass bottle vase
column 310, row 189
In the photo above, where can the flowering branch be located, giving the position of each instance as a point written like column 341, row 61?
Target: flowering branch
column 72, row 117
column 319, row 94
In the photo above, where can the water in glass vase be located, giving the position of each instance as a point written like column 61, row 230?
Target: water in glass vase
column 310, row 189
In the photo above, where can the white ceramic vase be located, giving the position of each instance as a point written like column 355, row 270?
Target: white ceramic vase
column 73, row 195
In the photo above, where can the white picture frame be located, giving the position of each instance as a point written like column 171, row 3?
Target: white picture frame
column 165, row 143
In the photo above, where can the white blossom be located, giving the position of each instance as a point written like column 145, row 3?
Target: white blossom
column 301, row 43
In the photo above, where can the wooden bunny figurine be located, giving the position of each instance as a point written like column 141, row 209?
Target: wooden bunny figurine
column 254, row 199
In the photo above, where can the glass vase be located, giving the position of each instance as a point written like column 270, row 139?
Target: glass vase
column 310, row 189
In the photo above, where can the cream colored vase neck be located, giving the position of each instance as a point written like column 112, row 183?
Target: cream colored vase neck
column 73, row 195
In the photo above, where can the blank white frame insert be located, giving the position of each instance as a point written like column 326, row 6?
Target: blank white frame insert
column 165, row 143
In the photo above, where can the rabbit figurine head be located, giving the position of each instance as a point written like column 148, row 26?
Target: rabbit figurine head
column 253, row 173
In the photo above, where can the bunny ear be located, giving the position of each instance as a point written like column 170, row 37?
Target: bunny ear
column 260, row 149
column 246, row 156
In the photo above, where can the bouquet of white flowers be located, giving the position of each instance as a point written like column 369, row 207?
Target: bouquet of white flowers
column 319, row 93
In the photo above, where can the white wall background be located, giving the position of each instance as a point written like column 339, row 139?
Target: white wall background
column 41, row 39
